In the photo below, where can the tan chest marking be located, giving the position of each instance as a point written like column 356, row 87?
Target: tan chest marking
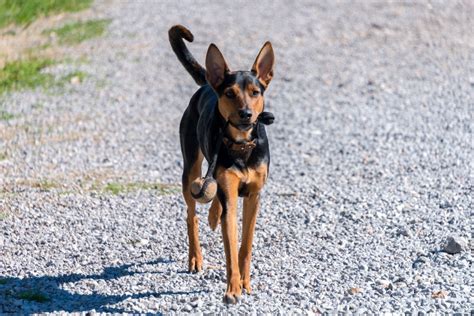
column 252, row 179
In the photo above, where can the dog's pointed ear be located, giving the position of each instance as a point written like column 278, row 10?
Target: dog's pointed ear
column 263, row 65
column 216, row 67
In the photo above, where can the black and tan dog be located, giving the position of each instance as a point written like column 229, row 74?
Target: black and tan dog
column 224, row 123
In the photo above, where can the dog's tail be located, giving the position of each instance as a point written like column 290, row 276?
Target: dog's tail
column 176, row 35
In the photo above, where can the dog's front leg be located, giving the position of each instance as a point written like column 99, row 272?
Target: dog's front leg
column 229, row 184
column 256, row 178
column 251, row 204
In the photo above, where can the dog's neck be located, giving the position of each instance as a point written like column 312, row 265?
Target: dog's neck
column 239, row 144
column 238, row 135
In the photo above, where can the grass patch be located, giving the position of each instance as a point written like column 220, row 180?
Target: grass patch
column 26, row 11
column 78, row 32
column 3, row 156
column 31, row 295
column 33, row 51
column 5, row 116
column 3, row 216
column 28, row 74
column 86, row 185
column 23, row 74
column 46, row 185
column 116, row 188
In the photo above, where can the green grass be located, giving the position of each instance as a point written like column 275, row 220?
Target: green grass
column 2, row 217
column 3, row 156
column 31, row 295
column 28, row 74
column 5, row 116
column 24, row 74
column 116, row 188
column 78, row 32
column 46, row 185
column 23, row 12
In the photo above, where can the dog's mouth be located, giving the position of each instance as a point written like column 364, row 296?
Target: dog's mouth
column 244, row 126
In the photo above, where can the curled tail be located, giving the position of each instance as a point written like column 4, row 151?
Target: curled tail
column 176, row 35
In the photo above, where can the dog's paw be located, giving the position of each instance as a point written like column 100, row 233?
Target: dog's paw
column 214, row 218
column 233, row 293
column 245, row 284
column 195, row 263
column 231, row 298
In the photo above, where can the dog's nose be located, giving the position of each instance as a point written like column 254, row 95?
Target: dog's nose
column 245, row 114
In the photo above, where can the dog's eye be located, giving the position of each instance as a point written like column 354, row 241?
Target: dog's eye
column 255, row 93
column 230, row 94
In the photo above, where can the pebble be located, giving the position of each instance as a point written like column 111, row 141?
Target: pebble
column 384, row 283
column 196, row 303
column 454, row 245
column 355, row 290
column 439, row 294
column 403, row 231
column 187, row 308
column 175, row 307
column 445, row 204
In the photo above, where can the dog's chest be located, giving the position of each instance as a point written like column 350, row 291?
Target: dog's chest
column 251, row 179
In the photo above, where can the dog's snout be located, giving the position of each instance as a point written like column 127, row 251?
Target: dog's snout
column 245, row 114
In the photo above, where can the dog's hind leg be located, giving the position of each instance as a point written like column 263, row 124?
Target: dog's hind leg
column 215, row 212
column 190, row 173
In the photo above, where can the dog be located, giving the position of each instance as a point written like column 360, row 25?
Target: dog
column 224, row 123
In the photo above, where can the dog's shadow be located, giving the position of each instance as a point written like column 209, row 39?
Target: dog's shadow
column 46, row 294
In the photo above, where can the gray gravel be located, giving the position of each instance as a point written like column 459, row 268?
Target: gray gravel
column 371, row 170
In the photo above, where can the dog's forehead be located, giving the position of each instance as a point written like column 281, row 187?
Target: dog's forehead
column 243, row 79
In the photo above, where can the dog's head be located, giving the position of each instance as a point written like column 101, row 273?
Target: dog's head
column 240, row 93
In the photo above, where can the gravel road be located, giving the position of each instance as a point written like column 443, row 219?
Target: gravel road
column 371, row 172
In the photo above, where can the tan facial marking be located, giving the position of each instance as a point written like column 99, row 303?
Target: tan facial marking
column 229, row 106
column 239, row 99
